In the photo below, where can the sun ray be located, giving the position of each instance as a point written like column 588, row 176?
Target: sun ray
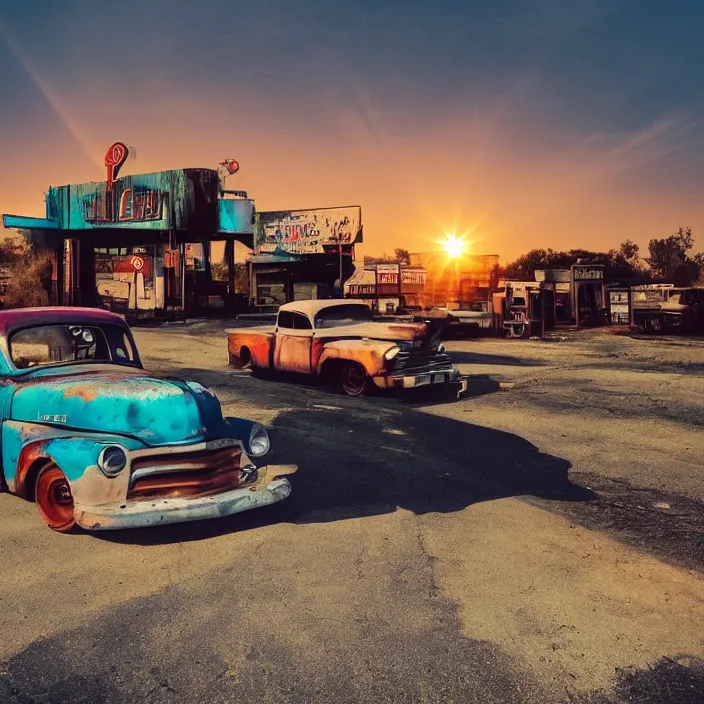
column 50, row 95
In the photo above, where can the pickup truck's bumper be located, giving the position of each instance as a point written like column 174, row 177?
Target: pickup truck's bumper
column 441, row 376
column 143, row 513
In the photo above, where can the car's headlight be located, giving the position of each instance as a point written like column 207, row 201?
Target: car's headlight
column 259, row 443
column 390, row 354
column 112, row 460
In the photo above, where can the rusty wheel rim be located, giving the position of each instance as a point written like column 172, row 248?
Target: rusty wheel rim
column 54, row 499
column 353, row 380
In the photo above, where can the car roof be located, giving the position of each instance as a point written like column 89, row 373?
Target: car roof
column 312, row 308
column 27, row 317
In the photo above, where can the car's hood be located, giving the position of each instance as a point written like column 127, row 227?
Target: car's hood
column 131, row 402
column 376, row 331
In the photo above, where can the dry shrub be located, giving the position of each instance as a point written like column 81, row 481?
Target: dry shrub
column 29, row 280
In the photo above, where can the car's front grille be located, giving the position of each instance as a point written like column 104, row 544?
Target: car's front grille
column 187, row 474
column 420, row 360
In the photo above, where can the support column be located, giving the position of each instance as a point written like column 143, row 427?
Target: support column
column 230, row 259
column 57, row 265
column 182, row 257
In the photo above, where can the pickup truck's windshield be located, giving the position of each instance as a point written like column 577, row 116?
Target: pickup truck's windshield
column 337, row 316
column 58, row 344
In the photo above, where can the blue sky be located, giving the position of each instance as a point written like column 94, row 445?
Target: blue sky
column 533, row 122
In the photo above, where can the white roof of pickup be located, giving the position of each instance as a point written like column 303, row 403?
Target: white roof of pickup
column 311, row 308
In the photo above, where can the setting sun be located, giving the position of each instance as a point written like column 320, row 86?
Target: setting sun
column 454, row 246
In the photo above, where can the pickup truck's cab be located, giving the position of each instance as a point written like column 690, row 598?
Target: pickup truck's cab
column 338, row 341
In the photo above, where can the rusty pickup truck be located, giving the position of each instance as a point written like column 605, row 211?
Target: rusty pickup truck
column 97, row 442
column 337, row 341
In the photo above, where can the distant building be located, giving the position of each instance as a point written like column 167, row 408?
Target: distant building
column 388, row 287
column 459, row 283
column 302, row 254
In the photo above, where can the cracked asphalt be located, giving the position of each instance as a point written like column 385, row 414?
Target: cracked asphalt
column 541, row 540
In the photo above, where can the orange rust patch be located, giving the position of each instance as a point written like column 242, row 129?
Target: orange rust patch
column 193, row 474
column 88, row 394
column 368, row 354
column 258, row 343
column 29, row 454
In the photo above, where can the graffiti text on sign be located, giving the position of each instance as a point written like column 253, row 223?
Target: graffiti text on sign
column 311, row 230
column 141, row 205
column 133, row 206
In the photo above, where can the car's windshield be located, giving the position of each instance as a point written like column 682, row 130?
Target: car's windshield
column 336, row 316
column 58, row 344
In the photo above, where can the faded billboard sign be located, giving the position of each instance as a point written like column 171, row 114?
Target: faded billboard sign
column 309, row 231
column 387, row 274
column 414, row 277
column 649, row 295
column 587, row 273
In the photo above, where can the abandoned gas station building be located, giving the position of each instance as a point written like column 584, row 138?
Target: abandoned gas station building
column 160, row 243
column 141, row 244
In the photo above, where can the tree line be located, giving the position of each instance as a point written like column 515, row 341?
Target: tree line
column 402, row 256
column 670, row 259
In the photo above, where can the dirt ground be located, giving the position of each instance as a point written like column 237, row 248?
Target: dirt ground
column 541, row 540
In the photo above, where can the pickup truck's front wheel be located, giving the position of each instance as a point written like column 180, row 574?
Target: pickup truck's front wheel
column 354, row 379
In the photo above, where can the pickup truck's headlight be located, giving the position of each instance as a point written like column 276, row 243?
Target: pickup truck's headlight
column 390, row 354
column 112, row 460
column 259, row 443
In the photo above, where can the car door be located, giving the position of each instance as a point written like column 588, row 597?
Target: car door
column 294, row 336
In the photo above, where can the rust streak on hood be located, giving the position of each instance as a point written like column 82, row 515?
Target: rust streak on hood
column 376, row 331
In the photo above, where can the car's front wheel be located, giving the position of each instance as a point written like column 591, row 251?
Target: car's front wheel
column 354, row 379
column 54, row 499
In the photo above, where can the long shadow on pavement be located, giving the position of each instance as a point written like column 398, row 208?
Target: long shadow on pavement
column 362, row 458
column 499, row 360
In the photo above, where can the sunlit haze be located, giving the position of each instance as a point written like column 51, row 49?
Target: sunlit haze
column 529, row 123
column 454, row 246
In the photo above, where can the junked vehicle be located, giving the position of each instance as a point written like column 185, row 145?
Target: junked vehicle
column 338, row 341
column 99, row 443
column 683, row 310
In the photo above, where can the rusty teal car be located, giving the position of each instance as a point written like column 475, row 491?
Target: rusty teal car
column 97, row 442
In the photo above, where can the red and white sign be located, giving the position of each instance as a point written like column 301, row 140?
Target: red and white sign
column 133, row 265
column 115, row 157
column 230, row 165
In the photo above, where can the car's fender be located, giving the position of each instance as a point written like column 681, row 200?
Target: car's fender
column 251, row 348
column 368, row 353
column 26, row 445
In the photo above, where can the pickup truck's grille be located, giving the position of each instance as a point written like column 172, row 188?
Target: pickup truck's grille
column 186, row 474
column 420, row 361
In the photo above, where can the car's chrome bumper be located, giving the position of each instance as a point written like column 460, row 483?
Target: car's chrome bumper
column 441, row 376
column 143, row 513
